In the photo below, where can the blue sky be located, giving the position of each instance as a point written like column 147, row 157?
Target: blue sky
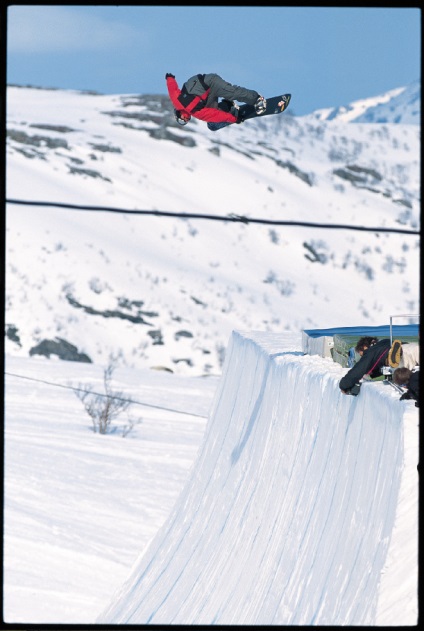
column 324, row 56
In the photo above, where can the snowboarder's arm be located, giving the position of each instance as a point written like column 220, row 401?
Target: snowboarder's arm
column 173, row 91
column 355, row 374
column 214, row 115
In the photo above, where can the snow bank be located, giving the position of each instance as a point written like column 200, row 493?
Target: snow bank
column 294, row 512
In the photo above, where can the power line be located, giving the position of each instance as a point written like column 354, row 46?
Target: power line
column 99, row 394
column 231, row 217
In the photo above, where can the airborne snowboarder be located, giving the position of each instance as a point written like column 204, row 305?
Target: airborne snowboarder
column 199, row 96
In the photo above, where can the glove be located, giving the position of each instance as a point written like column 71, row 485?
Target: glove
column 354, row 390
column 168, row 74
column 236, row 112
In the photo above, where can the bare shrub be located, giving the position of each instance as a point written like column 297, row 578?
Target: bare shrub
column 105, row 408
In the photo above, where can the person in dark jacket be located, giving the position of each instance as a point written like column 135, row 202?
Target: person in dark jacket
column 410, row 379
column 199, row 98
column 373, row 357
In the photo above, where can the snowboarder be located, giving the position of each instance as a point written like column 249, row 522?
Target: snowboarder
column 374, row 355
column 199, row 98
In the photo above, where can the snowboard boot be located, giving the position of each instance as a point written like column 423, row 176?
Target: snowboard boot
column 260, row 105
column 237, row 113
column 231, row 106
column 226, row 105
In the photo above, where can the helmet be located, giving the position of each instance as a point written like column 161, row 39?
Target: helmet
column 182, row 117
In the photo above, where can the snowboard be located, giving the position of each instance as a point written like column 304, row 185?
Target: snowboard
column 274, row 105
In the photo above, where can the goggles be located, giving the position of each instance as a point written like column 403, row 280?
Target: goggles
column 181, row 118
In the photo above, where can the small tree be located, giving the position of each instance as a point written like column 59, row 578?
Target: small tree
column 103, row 409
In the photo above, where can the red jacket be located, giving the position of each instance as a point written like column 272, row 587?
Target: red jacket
column 208, row 114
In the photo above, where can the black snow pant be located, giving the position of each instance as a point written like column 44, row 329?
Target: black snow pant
column 223, row 89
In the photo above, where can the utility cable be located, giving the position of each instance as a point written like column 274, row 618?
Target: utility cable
column 231, row 217
column 99, row 394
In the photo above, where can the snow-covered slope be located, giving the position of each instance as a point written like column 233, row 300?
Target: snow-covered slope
column 79, row 506
column 402, row 105
column 168, row 292
column 294, row 512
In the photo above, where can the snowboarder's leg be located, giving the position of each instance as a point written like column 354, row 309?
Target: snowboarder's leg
column 226, row 90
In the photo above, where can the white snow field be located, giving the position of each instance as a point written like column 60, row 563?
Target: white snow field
column 301, row 507
column 79, row 506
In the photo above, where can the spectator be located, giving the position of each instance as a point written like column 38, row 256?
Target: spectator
column 373, row 357
column 411, row 380
column 404, row 355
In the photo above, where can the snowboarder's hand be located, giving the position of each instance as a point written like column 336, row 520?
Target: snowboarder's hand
column 169, row 74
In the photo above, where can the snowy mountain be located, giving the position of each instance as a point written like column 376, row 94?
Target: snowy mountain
column 402, row 105
column 167, row 292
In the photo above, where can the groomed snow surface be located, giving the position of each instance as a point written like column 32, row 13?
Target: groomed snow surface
column 301, row 506
column 292, row 513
